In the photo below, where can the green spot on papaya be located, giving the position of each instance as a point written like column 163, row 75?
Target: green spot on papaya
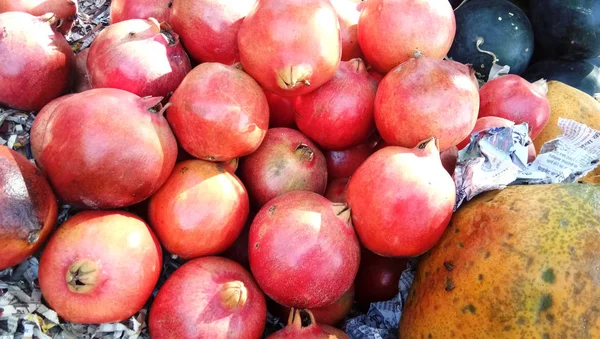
column 545, row 336
column 469, row 308
column 545, row 302
column 548, row 276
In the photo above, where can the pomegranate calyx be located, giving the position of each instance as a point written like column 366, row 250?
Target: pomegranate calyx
column 301, row 318
column 290, row 77
column 429, row 146
column 342, row 211
column 358, row 65
column 233, row 294
column 82, row 276
column 153, row 104
column 541, row 87
column 304, row 152
column 167, row 31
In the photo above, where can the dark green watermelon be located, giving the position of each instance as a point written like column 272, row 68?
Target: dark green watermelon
column 504, row 29
column 582, row 75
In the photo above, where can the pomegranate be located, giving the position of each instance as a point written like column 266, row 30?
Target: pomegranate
column 302, row 324
column 28, row 208
column 100, row 266
column 331, row 315
column 209, row 297
column 121, row 10
column 64, row 10
column 82, row 79
column 377, row 278
column 281, row 109
column 273, row 42
column 36, row 61
column 424, row 98
column 339, row 114
column 80, row 147
column 336, row 190
column 286, row 161
column 449, row 158
column 389, row 34
column 219, row 113
column 200, row 210
column 376, row 76
column 209, row 28
column 514, row 98
column 140, row 56
column 342, row 164
column 42, row 119
column 348, row 12
column 303, row 250
column 238, row 252
column 401, row 200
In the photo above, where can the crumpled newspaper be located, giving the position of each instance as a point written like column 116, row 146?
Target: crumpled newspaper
column 14, row 129
column 92, row 17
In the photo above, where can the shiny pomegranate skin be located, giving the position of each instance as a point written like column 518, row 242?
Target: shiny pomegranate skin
column 64, row 10
column 121, row 10
column 342, row 164
column 348, row 12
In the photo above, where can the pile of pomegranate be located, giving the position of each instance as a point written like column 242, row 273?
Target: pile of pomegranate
column 294, row 154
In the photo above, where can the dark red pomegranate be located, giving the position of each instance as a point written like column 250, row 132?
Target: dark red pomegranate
column 80, row 147
column 64, row 10
column 336, row 190
column 28, row 208
column 342, row 164
column 121, row 10
column 219, row 113
column 339, row 114
column 273, row 42
column 348, row 12
column 238, row 252
column 391, row 31
column 200, row 210
column 140, row 56
column 82, row 79
column 516, row 99
column 281, row 110
column 286, row 161
column 377, row 278
column 425, row 98
column 209, row 297
column 401, row 200
column 449, row 158
column 36, row 61
column 303, row 250
column 209, row 28
column 302, row 324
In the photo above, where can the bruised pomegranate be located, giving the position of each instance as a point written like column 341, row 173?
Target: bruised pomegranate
column 336, row 190
column 140, row 56
column 209, row 28
column 281, row 110
column 209, row 297
column 200, row 210
column 36, row 61
column 342, row 164
column 377, row 278
column 516, row 99
column 339, row 114
column 449, row 158
column 81, row 144
column 64, row 10
column 100, row 266
column 274, row 38
column 391, row 31
column 348, row 12
column 401, row 200
column 219, row 113
column 286, row 161
column 28, row 208
column 82, row 80
column 302, row 324
column 121, row 10
column 303, row 250
column 426, row 97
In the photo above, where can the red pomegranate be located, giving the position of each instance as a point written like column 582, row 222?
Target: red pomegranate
column 401, row 200
column 28, row 208
column 303, row 250
column 425, row 98
column 36, row 61
column 339, row 114
column 302, row 324
column 209, row 28
column 80, row 147
column 336, row 190
column 516, row 99
column 238, row 252
column 390, row 32
column 219, row 113
column 449, row 158
column 121, row 10
column 377, row 278
column 200, row 210
column 348, row 12
column 281, row 109
column 140, row 56
column 273, row 42
column 286, row 161
column 100, row 266
column 64, row 10
column 342, row 164
column 82, row 79
column 209, row 297
column 37, row 134
column 376, row 76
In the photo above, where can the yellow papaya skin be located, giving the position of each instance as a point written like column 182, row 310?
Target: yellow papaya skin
column 523, row 262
